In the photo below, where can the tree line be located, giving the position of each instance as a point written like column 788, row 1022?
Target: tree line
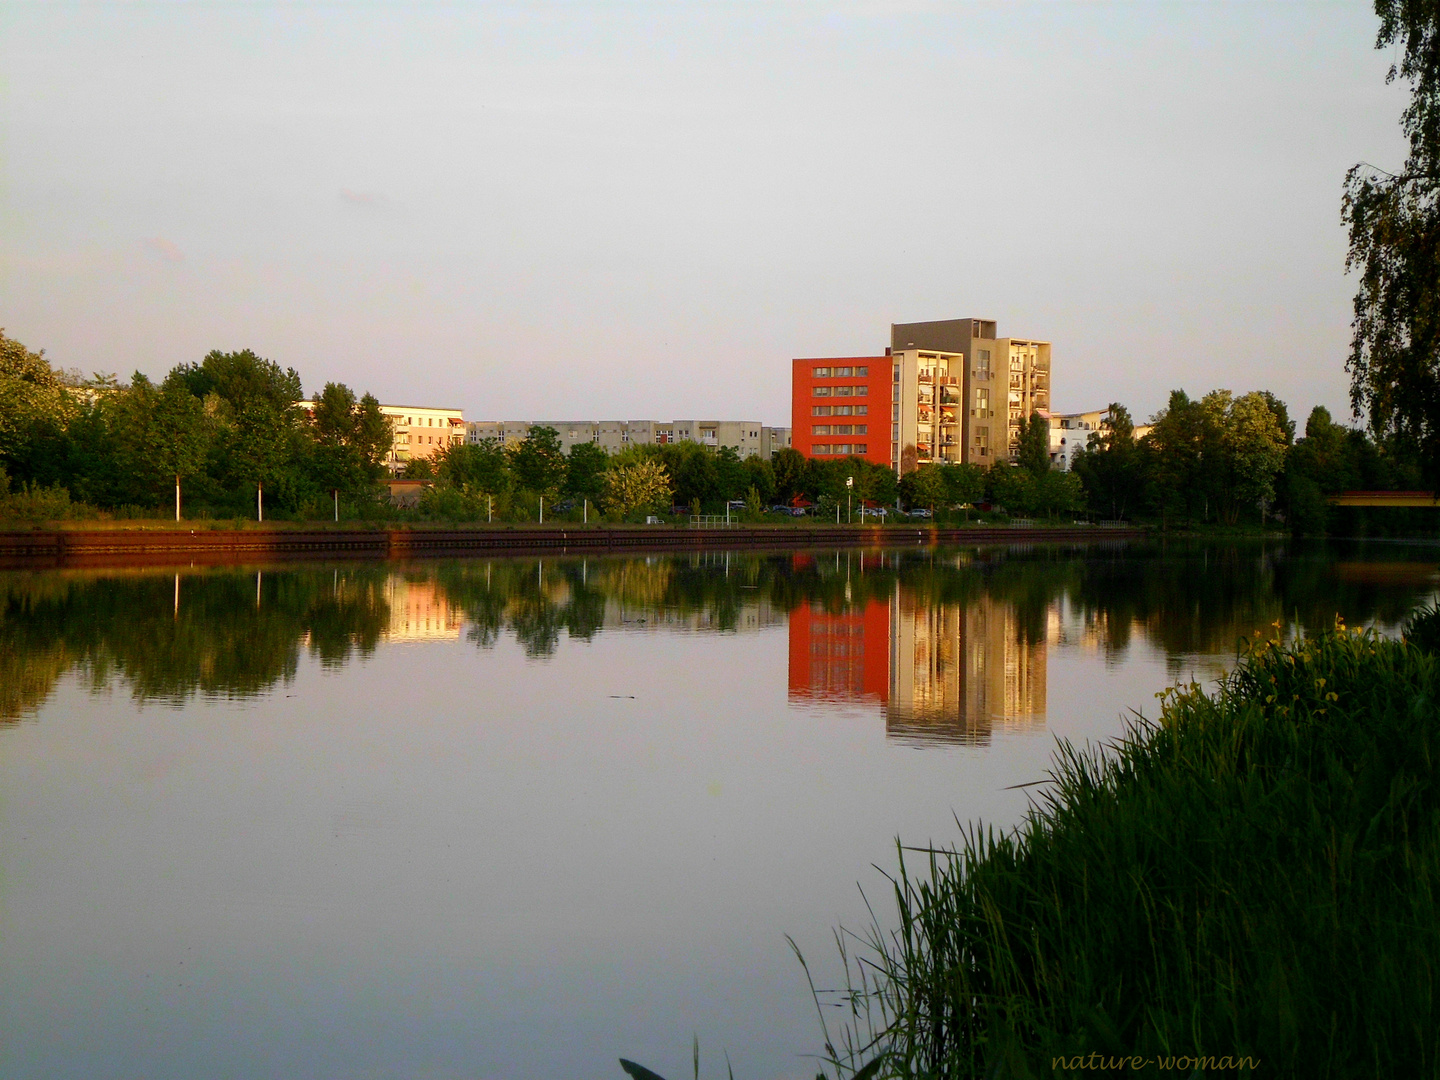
column 228, row 436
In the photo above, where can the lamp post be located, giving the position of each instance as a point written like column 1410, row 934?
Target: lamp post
column 849, row 489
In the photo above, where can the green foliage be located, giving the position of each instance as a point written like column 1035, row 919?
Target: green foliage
column 1394, row 221
column 790, row 467
column 538, row 463
column 759, row 478
column 482, row 468
column 585, row 471
column 964, row 483
column 1111, row 467
column 636, row 487
column 1034, row 454
column 925, row 486
column 1139, row 910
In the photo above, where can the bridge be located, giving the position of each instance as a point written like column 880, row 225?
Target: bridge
column 1383, row 498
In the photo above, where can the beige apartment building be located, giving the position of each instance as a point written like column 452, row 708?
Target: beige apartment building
column 745, row 437
column 418, row 430
column 968, row 390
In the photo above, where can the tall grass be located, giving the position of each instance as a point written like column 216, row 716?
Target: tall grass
column 1253, row 875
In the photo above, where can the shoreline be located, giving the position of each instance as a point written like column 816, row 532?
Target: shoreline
column 48, row 548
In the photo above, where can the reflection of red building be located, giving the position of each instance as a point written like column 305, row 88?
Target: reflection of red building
column 840, row 657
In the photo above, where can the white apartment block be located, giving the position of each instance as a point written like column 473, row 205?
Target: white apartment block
column 745, row 437
column 1070, row 432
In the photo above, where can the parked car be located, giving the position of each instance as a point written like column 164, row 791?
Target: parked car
column 921, row 512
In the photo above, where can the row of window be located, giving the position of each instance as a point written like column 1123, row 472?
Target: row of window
column 840, row 429
column 841, row 391
column 842, row 372
column 840, row 448
column 839, row 410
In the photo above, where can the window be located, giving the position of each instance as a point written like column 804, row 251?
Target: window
column 824, row 391
column 863, row 372
column 984, row 356
column 820, row 429
column 822, row 373
column 861, row 448
column 844, row 391
column 844, row 410
column 840, row 448
column 820, row 410
column 820, row 448
column 861, row 410
column 861, row 429
column 897, row 372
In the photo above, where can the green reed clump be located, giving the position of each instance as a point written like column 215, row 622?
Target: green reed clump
column 1255, row 874
column 1422, row 629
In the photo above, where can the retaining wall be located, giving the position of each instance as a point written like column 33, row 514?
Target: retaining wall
column 126, row 546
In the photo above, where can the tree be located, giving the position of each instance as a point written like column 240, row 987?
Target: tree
column 924, row 487
column 538, row 462
column 760, row 475
column 1034, row 455
column 482, row 468
column 964, row 483
column 585, row 471
column 730, row 476
column 34, row 397
column 1394, row 222
column 1109, row 466
column 638, row 486
column 789, row 467
column 350, row 439
column 181, row 434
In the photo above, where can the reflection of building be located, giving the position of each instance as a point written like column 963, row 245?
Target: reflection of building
column 942, row 672
column 840, row 657
column 419, row 611
column 957, row 673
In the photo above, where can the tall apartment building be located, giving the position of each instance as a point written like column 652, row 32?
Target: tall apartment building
column 999, row 381
column 745, row 437
column 945, row 392
column 840, row 407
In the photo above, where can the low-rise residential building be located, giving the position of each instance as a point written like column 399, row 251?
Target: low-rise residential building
column 419, row 431
column 745, row 437
column 1070, row 432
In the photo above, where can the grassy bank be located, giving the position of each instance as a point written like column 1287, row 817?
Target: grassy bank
column 1254, row 875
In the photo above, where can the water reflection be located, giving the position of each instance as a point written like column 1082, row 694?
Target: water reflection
column 948, row 645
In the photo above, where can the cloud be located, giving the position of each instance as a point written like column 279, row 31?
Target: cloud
column 361, row 198
column 164, row 248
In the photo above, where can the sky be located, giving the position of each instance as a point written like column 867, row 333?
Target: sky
column 646, row 210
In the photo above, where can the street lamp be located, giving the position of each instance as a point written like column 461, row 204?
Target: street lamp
column 849, row 487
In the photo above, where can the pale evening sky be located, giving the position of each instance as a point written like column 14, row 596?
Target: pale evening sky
column 645, row 210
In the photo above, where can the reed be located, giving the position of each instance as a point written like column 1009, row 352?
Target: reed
column 1253, row 875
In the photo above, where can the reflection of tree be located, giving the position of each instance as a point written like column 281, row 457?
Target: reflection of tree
column 223, row 640
column 170, row 637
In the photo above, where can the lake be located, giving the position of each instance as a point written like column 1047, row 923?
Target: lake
column 517, row 818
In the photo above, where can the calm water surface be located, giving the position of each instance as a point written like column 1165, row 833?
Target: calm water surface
column 515, row 819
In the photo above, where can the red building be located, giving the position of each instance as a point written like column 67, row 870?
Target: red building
column 840, row 406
